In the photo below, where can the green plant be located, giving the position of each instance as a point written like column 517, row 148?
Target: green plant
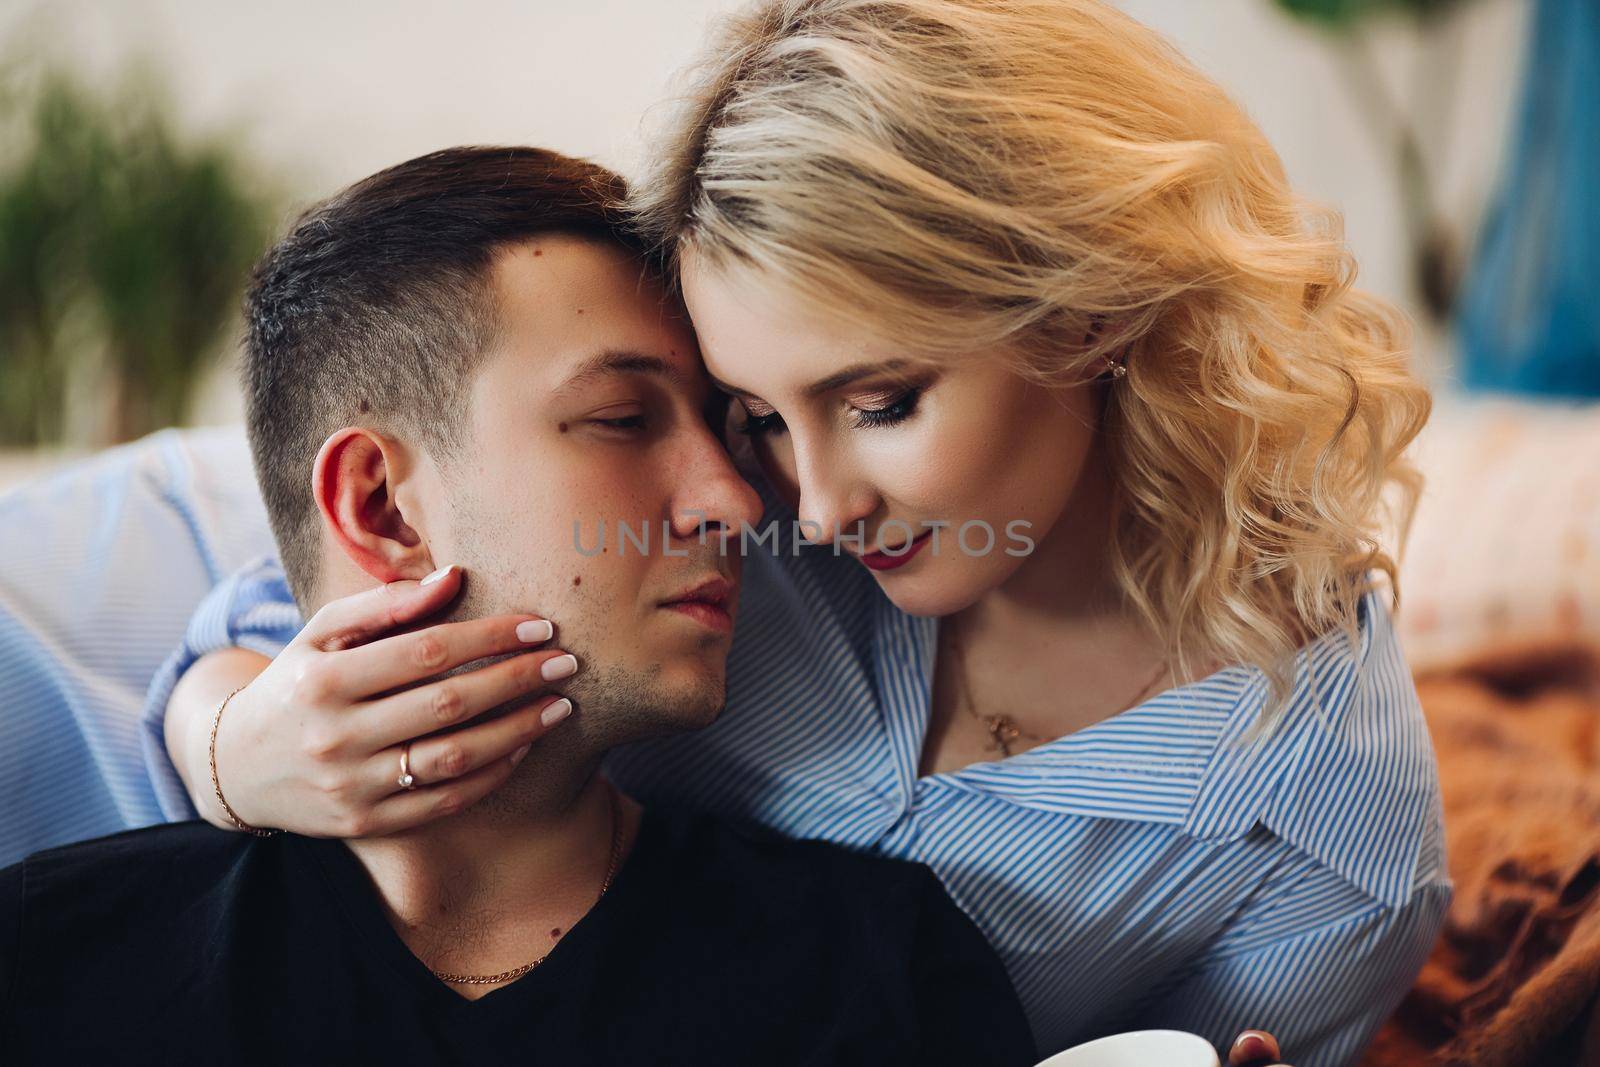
column 123, row 248
column 1435, row 249
column 1342, row 14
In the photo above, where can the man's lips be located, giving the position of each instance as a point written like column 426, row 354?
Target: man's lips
column 903, row 554
column 709, row 603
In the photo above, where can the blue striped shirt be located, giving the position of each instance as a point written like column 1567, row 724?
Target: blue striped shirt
column 1151, row 870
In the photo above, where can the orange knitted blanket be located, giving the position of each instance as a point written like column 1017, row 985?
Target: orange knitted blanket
column 1514, row 978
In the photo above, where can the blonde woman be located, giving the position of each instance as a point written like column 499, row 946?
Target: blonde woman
column 1023, row 321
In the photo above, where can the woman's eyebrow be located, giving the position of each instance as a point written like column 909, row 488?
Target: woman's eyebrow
column 837, row 380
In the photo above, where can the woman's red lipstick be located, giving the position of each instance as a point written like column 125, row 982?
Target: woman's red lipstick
column 884, row 561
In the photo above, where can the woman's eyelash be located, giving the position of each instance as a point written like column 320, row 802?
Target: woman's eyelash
column 897, row 410
column 756, row 425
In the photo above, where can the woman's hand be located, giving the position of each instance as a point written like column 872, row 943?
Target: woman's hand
column 313, row 744
column 1255, row 1048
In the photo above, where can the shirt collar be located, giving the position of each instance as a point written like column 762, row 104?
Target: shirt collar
column 1346, row 776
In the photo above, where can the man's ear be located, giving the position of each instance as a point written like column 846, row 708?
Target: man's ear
column 353, row 480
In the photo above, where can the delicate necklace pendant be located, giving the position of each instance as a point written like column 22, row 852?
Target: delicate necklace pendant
column 1002, row 732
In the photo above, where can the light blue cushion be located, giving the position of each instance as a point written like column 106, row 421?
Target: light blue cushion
column 101, row 566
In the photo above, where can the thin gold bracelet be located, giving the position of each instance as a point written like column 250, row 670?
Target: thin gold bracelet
column 216, row 783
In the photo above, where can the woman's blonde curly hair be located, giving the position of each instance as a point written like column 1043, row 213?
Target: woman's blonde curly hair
column 1052, row 179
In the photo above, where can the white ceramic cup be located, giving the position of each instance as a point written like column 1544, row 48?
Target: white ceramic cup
column 1141, row 1048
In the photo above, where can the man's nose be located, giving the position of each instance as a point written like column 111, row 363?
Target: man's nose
column 713, row 495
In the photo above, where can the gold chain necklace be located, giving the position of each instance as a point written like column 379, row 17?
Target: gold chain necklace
column 1002, row 730
column 518, row 972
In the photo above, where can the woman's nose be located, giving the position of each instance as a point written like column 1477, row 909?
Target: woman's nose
column 832, row 501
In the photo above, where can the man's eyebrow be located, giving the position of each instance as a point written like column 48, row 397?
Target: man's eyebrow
column 837, row 380
column 617, row 361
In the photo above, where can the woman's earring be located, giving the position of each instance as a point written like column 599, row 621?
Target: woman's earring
column 1115, row 370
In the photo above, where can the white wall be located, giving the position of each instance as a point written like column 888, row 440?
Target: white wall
column 1291, row 82
column 333, row 91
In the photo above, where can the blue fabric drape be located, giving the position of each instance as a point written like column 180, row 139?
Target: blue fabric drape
column 1530, row 316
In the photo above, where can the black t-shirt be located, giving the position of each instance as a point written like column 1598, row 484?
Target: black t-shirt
column 186, row 945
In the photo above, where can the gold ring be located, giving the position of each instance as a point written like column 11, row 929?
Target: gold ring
column 407, row 780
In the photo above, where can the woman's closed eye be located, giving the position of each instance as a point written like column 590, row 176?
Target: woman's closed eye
column 886, row 409
column 758, row 419
column 883, row 409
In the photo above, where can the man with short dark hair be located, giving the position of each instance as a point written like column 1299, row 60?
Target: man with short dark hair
column 457, row 361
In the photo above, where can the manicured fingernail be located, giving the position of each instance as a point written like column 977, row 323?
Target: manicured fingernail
column 556, row 712
column 561, row 667
column 516, row 757
column 1255, row 1045
column 438, row 574
column 534, row 631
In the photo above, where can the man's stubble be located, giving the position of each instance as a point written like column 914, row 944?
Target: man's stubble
column 613, row 703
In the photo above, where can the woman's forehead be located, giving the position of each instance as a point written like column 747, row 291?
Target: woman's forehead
column 757, row 333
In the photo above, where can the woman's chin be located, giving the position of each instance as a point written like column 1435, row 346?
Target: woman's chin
column 936, row 588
